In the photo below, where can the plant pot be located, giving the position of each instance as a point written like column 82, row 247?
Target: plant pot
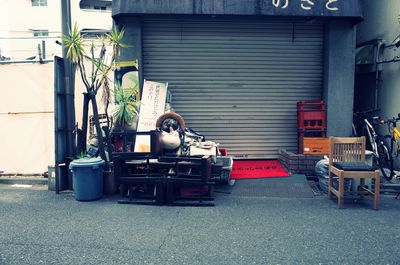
column 109, row 187
column 132, row 125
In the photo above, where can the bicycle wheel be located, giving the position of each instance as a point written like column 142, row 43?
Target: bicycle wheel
column 385, row 159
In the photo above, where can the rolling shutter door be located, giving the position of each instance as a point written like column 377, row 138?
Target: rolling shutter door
column 237, row 81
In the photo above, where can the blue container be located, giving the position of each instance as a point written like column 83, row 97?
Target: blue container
column 87, row 178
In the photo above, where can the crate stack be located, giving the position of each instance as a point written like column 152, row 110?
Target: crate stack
column 311, row 121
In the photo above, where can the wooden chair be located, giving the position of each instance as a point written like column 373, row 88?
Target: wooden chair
column 346, row 161
column 193, row 175
column 139, row 174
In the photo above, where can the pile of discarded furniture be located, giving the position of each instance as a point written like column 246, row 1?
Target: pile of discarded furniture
column 170, row 165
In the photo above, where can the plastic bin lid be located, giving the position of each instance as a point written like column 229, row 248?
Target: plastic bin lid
column 86, row 162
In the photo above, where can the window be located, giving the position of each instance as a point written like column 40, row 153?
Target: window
column 39, row 2
column 85, row 6
column 102, row 8
column 92, row 5
column 93, row 33
column 40, row 33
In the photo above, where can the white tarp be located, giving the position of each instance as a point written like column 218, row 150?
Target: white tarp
column 26, row 118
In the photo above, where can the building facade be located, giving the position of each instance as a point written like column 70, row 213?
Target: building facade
column 381, row 26
column 27, row 25
column 237, row 68
column 377, row 83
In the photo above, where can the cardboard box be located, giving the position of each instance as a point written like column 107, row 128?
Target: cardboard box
column 316, row 146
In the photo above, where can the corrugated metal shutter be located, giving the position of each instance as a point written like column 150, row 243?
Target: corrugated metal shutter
column 237, row 81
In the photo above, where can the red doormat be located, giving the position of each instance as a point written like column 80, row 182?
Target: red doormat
column 252, row 169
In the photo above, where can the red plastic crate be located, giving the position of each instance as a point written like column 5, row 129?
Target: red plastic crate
column 310, row 105
column 311, row 115
column 223, row 151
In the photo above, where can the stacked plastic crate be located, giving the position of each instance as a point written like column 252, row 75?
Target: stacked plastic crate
column 225, row 164
column 311, row 121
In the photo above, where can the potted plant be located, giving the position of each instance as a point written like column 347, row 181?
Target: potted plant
column 95, row 65
column 126, row 107
column 125, row 113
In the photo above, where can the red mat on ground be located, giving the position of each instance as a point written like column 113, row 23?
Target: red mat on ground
column 252, row 169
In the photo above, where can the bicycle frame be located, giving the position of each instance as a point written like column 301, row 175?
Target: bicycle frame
column 396, row 135
column 372, row 136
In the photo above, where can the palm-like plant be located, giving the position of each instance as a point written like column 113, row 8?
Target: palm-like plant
column 126, row 104
column 101, row 66
column 75, row 45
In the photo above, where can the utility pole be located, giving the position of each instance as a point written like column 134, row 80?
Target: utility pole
column 69, row 79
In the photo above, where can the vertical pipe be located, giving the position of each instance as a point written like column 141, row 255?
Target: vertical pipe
column 40, row 53
column 379, row 50
column 43, row 49
column 57, row 145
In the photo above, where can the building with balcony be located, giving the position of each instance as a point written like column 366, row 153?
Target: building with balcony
column 30, row 29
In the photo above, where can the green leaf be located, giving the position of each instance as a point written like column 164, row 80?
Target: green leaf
column 74, row 43
column 116, row 37
column 126, row 106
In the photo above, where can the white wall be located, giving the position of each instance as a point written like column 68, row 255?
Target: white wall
column 4, row 46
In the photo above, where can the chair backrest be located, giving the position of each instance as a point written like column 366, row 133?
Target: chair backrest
column 347, row 149
column 130, row 137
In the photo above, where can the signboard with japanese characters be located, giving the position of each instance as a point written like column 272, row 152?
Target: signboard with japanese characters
column 347, row 8
column 331, row 5
column 298, row 8
column 151, row 108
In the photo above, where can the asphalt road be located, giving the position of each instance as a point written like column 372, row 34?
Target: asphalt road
column 39, row 227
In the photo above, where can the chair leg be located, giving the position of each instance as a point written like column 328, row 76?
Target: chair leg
column 330, row 184
column 169, row 193
column 377, row 189
column 341, row 191
column 360, row 190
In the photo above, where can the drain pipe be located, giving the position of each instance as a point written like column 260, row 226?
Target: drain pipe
column 379, row 51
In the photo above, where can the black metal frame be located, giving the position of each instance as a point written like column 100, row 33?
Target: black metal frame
column 190, row 171
column 152, row 179
column 126, row 165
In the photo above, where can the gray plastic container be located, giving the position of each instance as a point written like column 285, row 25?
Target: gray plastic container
column 224, row 165
column 87, row 178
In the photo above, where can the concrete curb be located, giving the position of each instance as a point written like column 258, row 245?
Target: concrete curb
column 26, row 180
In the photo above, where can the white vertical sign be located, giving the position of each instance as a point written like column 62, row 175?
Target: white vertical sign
column 151, row 108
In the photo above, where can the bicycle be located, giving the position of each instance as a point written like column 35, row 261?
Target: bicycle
column 382, row 146
column 391, row 141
